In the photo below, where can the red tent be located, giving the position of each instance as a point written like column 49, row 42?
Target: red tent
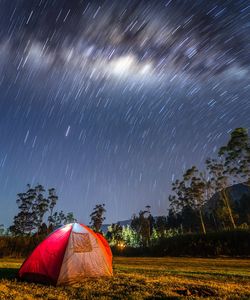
column 67, row 255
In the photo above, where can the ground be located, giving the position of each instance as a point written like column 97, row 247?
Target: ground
column 143, row 278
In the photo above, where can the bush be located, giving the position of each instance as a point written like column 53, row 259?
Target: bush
column 225, row 243
column 20, row 246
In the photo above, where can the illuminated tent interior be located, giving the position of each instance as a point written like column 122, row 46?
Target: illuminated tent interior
column 68, row 255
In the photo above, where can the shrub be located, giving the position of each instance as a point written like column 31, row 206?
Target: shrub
column 20, row 246
column 228, row 243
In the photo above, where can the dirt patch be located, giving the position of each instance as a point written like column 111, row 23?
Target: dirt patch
column 198, row 291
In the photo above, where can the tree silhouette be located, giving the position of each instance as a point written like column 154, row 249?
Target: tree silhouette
column 219, row 182
column 97, row 217
column 191, row 194
column 53, row 198
column 143, row 225
column 114, row 234
column 237, row 155
column 33, row 206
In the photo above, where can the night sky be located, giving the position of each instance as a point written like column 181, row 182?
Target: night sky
column 109, row 101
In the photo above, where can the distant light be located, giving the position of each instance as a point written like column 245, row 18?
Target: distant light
column 121, row 245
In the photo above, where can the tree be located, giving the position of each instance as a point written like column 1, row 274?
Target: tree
column 130, row 237
column 143, row 225
column 53, row 198
column 2, row 230
column 40, row 204
column 24, row 221
column 197, row 191
column 196, row 188
column 59, row 219
column 97, row 217
column 236, row 155
column 114, row 234
column 70, row 218
column 220, row 182
column 174, row 220
column 33, row 205
column 161, row 226
column 242, row 207
column 191, row 194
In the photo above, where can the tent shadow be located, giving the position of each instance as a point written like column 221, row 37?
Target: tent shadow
column 8, row 273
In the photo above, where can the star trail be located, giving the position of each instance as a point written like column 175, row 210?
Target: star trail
column 109, row 101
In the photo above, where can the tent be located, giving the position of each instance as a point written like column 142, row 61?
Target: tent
column 68, row 255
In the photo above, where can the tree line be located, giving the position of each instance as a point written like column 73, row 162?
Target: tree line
column 203, row 196
column 200, row 202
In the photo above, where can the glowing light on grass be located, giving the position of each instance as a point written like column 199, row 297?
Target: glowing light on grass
column 121, row 245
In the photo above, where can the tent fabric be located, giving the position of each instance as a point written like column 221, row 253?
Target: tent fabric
column 44, row 264
column 90, row 260
column 68, row 255
column 106, row 245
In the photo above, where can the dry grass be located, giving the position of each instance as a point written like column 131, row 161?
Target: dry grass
column 143, row 278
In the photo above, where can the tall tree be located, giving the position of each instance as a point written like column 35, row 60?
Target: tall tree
column 191, row 194
column 33, row 205
column 197, row 192
column 24, row 221
column 58, row 219
column 97, row 217
column 114, row 234
column 243, row 209
column 53, row 198
column 161, row 225
column 40, row 204
column 2, row 230
column 220, row 181
column 143, row 225
column 236, row 155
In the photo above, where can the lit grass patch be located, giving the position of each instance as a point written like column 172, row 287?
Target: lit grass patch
column 143, row 278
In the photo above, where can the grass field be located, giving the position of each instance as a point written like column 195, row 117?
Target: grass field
column 143, row 278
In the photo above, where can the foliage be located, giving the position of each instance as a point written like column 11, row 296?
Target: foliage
column 18, row 246
column 237, row 155
column 143, row 226
column 2, row 230
column 242, row 209
column 190, row 201
column 97, row 217
column 121, row 237
column 114, row 234
column 191, row 193
column 59, row 218
column 223, row 243
column 130, row 237
column 33, row 206
column 160, row 226
column 228, row 243
column 53, row 198
column 220, row 181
